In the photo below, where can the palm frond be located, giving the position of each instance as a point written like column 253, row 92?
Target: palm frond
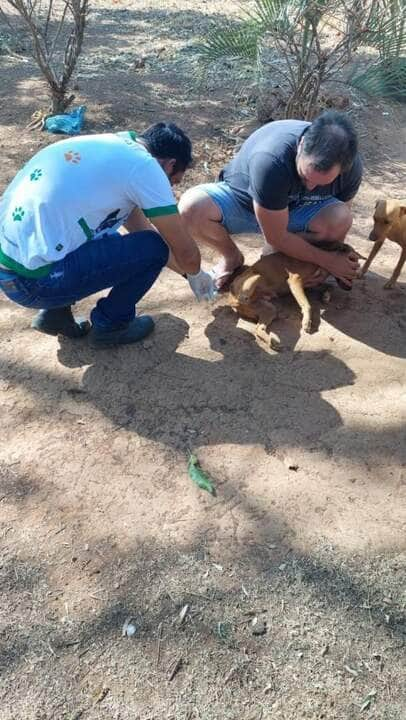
column 291, row 29
column 275, row 15
column 238, row 42
column 387, row 30
column 384, row 79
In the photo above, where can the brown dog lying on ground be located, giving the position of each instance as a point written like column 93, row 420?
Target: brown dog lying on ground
column 389, row 222
column 273, row 275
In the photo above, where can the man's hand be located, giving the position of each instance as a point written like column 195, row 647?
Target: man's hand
column 202, row 285
column 343, row 267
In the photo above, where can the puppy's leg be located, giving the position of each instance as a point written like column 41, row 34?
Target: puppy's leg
column 262, row 331
column 324, row 293
column 392, row 282
column 295, row 283
column 376, row 248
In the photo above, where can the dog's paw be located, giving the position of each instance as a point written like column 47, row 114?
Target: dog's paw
column 307, row 325
column 325, row 297
column 261, row 333
column 268, row 338
column 275, row 344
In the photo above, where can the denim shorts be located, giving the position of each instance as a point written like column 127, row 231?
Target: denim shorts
column 238, row 220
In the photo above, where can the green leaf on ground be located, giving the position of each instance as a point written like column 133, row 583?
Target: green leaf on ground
column 223, row 630
column 199, row 477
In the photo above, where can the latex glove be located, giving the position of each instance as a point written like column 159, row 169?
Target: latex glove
column 202, row 285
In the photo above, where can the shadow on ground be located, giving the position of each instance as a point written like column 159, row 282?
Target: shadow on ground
column 323, row 617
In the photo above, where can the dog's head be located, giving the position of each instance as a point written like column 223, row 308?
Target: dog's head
column 340, row 247
column 387, row 214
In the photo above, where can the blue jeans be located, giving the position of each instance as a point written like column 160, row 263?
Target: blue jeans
column 238, row 220
column 129, row 264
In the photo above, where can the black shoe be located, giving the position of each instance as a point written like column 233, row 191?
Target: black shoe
column 127, row 333
column 60, row 321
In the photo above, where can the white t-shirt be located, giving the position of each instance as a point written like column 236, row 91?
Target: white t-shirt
column 76, row 190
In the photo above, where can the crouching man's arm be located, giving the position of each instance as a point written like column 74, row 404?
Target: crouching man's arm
column 184, row 254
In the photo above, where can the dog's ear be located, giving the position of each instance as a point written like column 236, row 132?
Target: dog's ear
column 402, row 210
column 349, row 249
column 358, row 255
column 237, row 284
column 244, row 286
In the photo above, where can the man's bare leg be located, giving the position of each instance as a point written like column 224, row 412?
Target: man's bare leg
column 332, row 223
column 203, row 221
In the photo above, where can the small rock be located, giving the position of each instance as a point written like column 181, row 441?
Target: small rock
column 129, row 628
column 139, row 63
column 258, row 626
column 290, row 464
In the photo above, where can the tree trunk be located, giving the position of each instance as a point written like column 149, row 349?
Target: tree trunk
column 60, row 101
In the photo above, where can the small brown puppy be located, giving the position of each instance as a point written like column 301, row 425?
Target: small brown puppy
column 389, row 222
column 273, row 275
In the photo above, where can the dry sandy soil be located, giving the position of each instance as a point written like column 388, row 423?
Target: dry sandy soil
column 99, row 520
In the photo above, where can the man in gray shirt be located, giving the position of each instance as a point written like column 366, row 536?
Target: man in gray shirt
column 291, row 181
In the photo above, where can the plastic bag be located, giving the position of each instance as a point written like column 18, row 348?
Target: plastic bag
column 70, row 123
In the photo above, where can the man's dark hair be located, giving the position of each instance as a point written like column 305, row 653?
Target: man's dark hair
column 167, row 140
column 331, row 140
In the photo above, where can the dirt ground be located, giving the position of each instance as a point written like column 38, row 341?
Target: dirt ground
column 305, row 543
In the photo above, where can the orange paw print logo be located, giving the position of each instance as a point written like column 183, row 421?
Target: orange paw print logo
column 72, row 157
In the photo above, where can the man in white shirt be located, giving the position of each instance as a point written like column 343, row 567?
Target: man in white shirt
column 94, row 212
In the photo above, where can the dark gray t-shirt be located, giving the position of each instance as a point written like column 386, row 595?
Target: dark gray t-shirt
column 264, row 170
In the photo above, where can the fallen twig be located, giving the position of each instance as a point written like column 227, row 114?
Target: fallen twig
column 158, row 652
column 175, row 669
